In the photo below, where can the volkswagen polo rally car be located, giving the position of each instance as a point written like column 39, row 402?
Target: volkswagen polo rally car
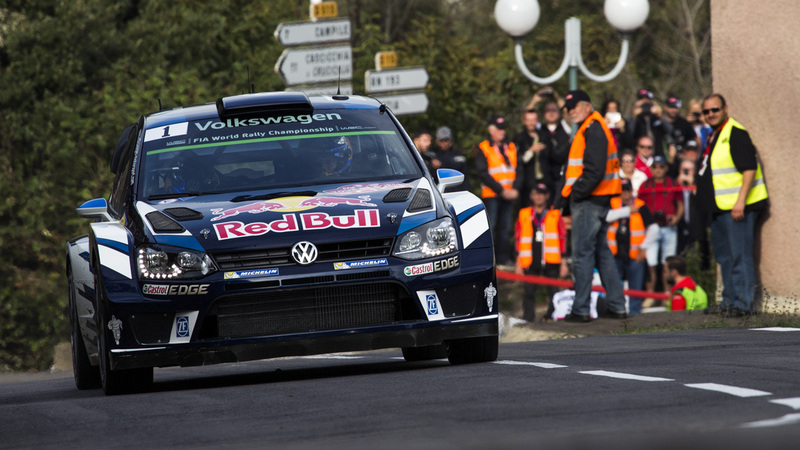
column 270, row 225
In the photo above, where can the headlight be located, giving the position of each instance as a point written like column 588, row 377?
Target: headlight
column 169, row 263
column 426, row 241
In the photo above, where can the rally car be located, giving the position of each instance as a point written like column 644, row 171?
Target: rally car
column 275, row 224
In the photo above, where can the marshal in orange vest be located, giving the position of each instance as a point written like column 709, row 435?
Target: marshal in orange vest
column 610, row 184
column 505, row 174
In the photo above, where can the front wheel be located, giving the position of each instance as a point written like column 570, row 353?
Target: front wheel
column 86, row 375
column 117, row 382
column 472, row 350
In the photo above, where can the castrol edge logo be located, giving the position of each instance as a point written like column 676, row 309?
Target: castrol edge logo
column 175, row 289
column 361, row 218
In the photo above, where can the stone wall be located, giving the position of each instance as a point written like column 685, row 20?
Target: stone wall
column 755, row 55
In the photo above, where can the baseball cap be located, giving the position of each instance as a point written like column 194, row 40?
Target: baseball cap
column 626, row 184
column 444, row 133
column 674, row 102
column 573, row 97
column 541, row 187
column 498, row 121
column 658, row 159
column 644, row 93
column 690, row 145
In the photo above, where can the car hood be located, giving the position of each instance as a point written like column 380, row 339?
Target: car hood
column 271, row 219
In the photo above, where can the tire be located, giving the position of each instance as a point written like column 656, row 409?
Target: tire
column 86, row 375
column 425, row 353
column 116, row 382
column 472, row 350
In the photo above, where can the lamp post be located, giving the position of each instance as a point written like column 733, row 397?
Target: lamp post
column 519, row 17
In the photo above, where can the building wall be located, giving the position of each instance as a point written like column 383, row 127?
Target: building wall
column 755, row 51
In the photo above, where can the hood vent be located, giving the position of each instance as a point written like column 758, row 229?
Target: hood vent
column 397, row 195
column 421, row 201
column 184, row 213
column 163, row 224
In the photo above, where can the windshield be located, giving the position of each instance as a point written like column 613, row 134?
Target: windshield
column 214, row 156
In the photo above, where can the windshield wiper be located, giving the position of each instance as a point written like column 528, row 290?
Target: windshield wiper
column 178, row 195
column 248, row 197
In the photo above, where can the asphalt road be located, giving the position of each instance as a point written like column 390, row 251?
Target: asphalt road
column 700, row 389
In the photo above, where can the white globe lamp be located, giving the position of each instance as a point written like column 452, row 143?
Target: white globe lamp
column 516, row 17
column 626, row 15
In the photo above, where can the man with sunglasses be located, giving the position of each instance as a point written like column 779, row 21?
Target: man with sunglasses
column 730, row 183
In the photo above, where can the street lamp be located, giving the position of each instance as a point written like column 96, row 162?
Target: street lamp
column 519, row 17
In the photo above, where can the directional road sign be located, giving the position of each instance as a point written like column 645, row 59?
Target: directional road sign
column 316, row 65
column 404, row 104
column 407, row 78
column 320, row 32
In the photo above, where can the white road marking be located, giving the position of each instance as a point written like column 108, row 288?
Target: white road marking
column 793, row 403
column 788, row 419
column 732, row 390
column 623, row 376
column 781, row 329
column 535, row 364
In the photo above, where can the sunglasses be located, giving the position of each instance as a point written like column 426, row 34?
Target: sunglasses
column 712, row 110
column 627, row 160
column 648, row 147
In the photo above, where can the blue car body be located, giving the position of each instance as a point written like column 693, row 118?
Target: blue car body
column 270, row 225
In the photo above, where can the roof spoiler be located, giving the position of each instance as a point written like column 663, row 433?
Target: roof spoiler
column 265, row 103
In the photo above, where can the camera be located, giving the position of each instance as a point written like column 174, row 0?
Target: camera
column 660, row 217
column 547, row 92
column 647, row 108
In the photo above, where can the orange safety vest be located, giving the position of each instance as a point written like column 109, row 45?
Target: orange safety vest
column 636, row 225
column 551, row 250
column 610, row 184
column 498, row 169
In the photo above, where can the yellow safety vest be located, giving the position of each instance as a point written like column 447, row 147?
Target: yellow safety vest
column 498, row 169
column 726, row 177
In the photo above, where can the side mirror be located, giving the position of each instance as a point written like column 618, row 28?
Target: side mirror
column 449, row 177
column 95, row 209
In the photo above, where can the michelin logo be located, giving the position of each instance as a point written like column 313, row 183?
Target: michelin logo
column 251, row 273
column 360, row 264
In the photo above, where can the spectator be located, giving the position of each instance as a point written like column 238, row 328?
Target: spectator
column 541, row 246
column 496, row 165
column 679, row 130
column 694, row 226
column 665, row 201
column 533, row 166
column 451, row 157
column 731, row 184
column 701, row 128
column 592, row 178
column 644, row 155
column 422, row 140
column 647, row 121
column 555, row 133
column 613, row 115
column 628, row 170
column 686, row 294
column 630, row 232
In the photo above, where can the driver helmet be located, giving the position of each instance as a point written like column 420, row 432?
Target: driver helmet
column 335, row 156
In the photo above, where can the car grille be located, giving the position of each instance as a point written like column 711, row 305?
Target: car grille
column 333, row 252
column 151, row 328
column 299, row 310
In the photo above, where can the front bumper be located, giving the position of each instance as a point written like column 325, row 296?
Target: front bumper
column 401, row 335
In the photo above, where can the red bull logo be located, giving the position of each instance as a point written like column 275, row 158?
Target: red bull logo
column 361, row 218
column 290, row 204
